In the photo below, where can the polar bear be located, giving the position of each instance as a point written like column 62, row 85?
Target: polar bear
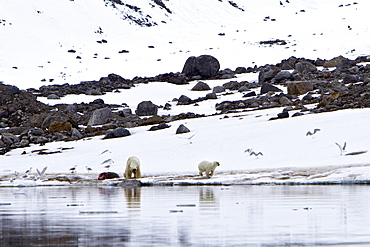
column 132, row 167
column 208, row 167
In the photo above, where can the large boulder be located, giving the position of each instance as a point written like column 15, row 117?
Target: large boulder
column 305, row 67
column 267, row 73
column 339, row 62
column 204, row 66
column 100, row 116
column 299, row 87
column 146, row 108
column 56, row 127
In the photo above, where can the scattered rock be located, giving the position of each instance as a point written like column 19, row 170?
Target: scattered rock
column 299, row 87
column 146, row 108
column 201, row 86
column 53, row 96
column 159, row 127
column 305, row 67
column 153, row 120
column 267, row 73
column 56, row 127
column 267, row 87
column 182, row 129
column 100, row 116
column 218, row 89
column 184, row 100
column 118, row 132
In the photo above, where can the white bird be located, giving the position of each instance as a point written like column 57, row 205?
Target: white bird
column 256, row 154
column 342, row 149
column 105, row 151
column 40, row 174
column 88, row 169
column 73, row 169
column 309, row 133
column 189, row 138
column 251, row 152
column 28, row 171
column 108, row 161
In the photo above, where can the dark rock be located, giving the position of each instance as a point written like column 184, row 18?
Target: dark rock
column 266, row 87
column 98, row 102
column 153, row 120
column 297, row 114
column 284, row 100
column 243, row 89
column 125, row 112
column 339, row 62
column 159, row 127
column 100, row 116
column 205, row 66
column 288, row 64
column 250, row 94
column 226, row 74
column 36, row 132
column 59, row 127
column 350, row 79
column 211, row 96
column 305, row 67
column 283, row 76
column 184, row 100
column 93, row 91
column 201, row 86
column 267, row 73
column 167, row 106
column 218, row 89
column 299, row 87
column 146, row 108
column 53, row 96
column 284, row 114
column 118, row 132
column 75, row 135
column 8, row 139
column 179, row 79
column 232, row 85
column 182, row 129
column 240, row 70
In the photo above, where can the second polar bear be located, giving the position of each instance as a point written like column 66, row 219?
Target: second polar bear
column 132, row 167
column 208, row 167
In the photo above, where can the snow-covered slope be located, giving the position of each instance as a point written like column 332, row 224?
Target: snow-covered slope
column 37, row 35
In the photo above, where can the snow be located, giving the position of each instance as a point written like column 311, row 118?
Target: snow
column 41, row 33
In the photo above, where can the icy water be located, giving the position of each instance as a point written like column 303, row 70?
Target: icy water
column 186, row 216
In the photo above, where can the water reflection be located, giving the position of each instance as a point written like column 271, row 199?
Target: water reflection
column 186, row 216
column 133, row 197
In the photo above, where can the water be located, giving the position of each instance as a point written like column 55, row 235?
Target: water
column 186, row 216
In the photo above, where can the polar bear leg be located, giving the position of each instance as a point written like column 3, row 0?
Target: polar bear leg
column 208, row 173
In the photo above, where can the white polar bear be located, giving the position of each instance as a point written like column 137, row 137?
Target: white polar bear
column 132, row 167
column 208, row 167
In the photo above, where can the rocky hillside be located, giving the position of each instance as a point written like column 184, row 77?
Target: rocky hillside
column 335, row 84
